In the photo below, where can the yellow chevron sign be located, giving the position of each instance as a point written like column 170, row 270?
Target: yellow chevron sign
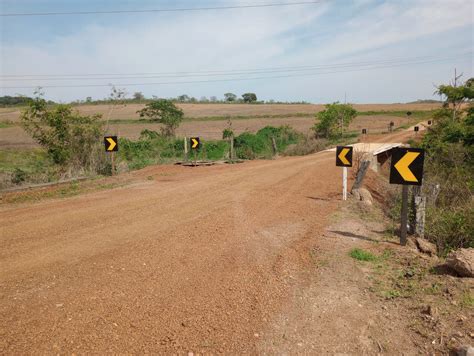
column 407, row 166
column 344, row 156
column 111, row 143
column 195, row 142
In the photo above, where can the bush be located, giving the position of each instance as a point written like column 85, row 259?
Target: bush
column 259, row 145
column 71, row 140
column 306, row 146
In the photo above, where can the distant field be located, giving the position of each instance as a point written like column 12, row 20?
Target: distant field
column 14, row 136
column 220, row 110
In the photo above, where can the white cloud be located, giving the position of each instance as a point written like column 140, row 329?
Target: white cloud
column 230, row 40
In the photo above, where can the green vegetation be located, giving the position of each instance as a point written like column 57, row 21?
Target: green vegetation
column 449, row 171
column 249, row 97
column 259, row 145
column 164, row 112
column 5, row 124
column 334, row 119
column 70, row 140
column 362, row 255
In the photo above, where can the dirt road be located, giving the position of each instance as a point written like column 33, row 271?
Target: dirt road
column 193, row 260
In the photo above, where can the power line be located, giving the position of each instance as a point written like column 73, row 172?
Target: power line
column 184, row 74
column 160, row 10
column 237, row 79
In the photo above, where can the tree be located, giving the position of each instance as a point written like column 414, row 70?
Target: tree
column 333, row 117
column 213, row 99
column 138, row 96
column 164, row 112
column 249, row 97
column 183, row 98
column 230, row 97
column 89, row 99
column 70, row 139
column 457, row 95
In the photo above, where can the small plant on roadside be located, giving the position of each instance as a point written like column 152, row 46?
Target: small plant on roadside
column 362, row 255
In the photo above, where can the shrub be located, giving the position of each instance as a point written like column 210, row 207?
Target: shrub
column 164, row 112
column 71, row 140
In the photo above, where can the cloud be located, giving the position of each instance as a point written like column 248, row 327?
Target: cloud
column 237, row 39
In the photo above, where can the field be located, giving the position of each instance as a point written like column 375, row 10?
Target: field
column 209, row 120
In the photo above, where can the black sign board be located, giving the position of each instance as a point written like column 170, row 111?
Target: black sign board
column 111, row 143
column 195, row 143
column 407, row 166
column 417, row 129
column 429, row 122
column 344, row 156
column 364, row 131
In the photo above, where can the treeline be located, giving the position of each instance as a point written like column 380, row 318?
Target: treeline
column 6, row 101
column 139, row 97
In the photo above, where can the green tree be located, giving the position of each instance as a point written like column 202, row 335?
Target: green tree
column 183, row 98
column 164, row 112
column 230, row 97
column 449, row 170
column 335, row 116
column 138, row 96
column 457, row 95
column 249, row 97
column 70, row 139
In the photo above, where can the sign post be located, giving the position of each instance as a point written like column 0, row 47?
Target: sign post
column 195, row 144
column 111, row 146
column 406, row 169
column 344, row 159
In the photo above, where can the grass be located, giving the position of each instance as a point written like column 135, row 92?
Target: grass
column 6, row 124
column 362, row 255
column 56, row 192
column 467, row 300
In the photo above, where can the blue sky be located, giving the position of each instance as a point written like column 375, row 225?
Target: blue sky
column 439, row 34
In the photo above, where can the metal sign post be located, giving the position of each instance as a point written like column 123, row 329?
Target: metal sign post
column 344, row 160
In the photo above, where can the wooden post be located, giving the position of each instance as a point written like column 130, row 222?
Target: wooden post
column 360, row 175
column 404, row 216
column 112, row 157
column 231, row 148
column 185, row 148
column 274, row 146
column 418, row 212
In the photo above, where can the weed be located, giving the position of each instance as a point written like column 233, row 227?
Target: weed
column 391, row 294
column 362, row 255
column 467, row 300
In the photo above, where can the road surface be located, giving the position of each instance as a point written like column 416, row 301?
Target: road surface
column 183, row 260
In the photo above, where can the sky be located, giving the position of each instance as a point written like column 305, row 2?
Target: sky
column 367, row 51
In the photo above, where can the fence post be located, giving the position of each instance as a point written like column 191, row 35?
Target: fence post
column 274, row 146
column 185, row 148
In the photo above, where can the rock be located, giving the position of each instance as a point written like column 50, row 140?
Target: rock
column 365, row 196
column 466, row 350
column 462, row 261
column 355, row 193
column 426, row 247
